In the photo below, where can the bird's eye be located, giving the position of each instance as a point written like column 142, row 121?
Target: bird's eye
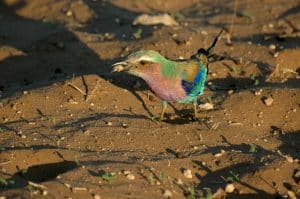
column 142, row 62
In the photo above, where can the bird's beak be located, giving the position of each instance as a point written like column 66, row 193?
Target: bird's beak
column 121, row 66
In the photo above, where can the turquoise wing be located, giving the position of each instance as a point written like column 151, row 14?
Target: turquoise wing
column 193, row 79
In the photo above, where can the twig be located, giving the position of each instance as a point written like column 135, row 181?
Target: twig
column 74, row 189
column 6, row 162
column 92, row 92
column 76, row 88
column 295, row 29
column 229, row 34
column 233, row 17
column 85, row 86
column 235, row 124
column 268, row 183
column 39, row 186
column 214, row 126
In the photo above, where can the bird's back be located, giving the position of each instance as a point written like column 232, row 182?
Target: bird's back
column 193, row 77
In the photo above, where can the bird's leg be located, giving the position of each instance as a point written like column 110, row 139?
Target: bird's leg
column 195, row 105
column 161, row 116
column 164, row 107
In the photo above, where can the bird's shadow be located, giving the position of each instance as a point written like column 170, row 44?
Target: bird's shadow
column 58, row 53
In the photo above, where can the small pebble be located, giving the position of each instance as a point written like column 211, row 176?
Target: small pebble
column 36, row 192
column 291, row 194
column 167, row 193
column 71, row 101
column 66, row 184
column 109, row 123
column 96, row 196
column 229, row 188
column 268, row 101
column 203, row 32
column 206, row 106
column 187, row 173
column 74, row 189
column 179, row 181
column 173, row 117
column 45, row 192
column 69, row 13
column 126, row 172
column 289, row 159
column 272, row 46
column 229, row 92
column 258, row 92
column 219, row 154
column 130, row 176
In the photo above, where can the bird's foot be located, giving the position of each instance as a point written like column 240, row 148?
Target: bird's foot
column 156, row 118
column 195, row 116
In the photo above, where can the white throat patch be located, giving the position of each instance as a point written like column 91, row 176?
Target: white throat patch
column 146, row 58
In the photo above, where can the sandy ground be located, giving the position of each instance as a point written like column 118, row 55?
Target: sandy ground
column 71, row 129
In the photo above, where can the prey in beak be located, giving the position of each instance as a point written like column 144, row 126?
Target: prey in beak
column 121, row 66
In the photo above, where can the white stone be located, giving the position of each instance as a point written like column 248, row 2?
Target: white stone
column 229, row 188
column 206, row 106
column 167, row 194
column 130, row 176
column 96, row 196
column 187, row 173
column 268, row 101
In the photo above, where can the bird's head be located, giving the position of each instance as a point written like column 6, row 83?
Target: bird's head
column 139, row 63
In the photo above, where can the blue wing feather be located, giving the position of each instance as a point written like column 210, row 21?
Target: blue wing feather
column 187, row 86
column 196, row 87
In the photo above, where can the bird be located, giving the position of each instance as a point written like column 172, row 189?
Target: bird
column 180, row 81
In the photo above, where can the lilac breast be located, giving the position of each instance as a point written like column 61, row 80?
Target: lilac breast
column 166, row 88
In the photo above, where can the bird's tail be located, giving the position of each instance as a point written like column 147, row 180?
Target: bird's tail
column 205, row 55
column 209, row 51
column 211, row 48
